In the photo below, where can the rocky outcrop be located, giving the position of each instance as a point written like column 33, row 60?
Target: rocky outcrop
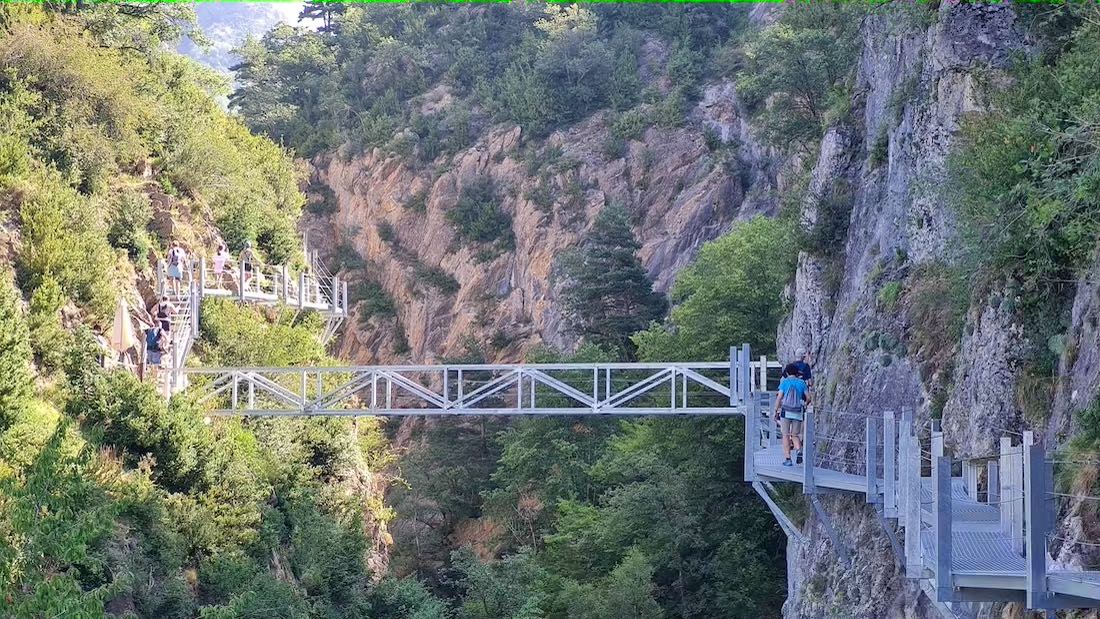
column 917, row 81
column 682, row 188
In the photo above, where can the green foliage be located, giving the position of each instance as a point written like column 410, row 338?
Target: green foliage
column 235, row 335
column 792, row 66
column 373, row 300
column 129, row 217
column 732, row 293
column 16, row 383
column 880, row 150
column 64, row 240
column 607, row 293
column 1026, row 180
column 888, row 294
column 478, row 218
column 437, row 278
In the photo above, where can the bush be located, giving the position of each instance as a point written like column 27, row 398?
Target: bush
column 48, row 338
column 630, row 125
column 373, row 301
column 16, row 382
column 64, row 239
column 478, row 218
column 436, row 278
column 418, row 202
column 388, row 234
column 129, row 219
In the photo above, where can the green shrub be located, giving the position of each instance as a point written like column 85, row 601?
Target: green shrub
column 437, row 278
column 614, row 147
column 400, row 340
column 829, row 232
column 418, row 202
column 373, row 301
column 880, row 151
column 64, row 239
column 16, row 382
column 129, row 219
column 888, row 295
column 388, row 233
column 478, row 218
column 48, row 338
column 629, row 125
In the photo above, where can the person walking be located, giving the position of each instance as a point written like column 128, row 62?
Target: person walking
column 177, row 264
column 221, row 259
column 790, row 411
column 164, row 310
column 249, row 262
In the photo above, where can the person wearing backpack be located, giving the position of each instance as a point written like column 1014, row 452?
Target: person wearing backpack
column 790, row 410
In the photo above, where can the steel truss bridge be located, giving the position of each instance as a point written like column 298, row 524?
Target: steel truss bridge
column 487, row 389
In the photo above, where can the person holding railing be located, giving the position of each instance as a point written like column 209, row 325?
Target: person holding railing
column 790, row 410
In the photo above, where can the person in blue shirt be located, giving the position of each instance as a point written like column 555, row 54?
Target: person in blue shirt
column 790, row 410
column 803, row 366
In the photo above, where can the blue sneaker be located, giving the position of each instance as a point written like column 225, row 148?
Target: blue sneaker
column 787, row 462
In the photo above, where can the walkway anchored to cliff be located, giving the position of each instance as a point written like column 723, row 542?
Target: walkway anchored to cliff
column 978, row 537
column 981, row 536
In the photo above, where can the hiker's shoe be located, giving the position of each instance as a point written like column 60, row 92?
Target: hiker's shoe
column 797, row 456
column 787, row 462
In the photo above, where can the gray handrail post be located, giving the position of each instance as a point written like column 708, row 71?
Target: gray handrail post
column 809, row 450
column 937, row 443
column 914, row 565
column 344, row 295
column 284, row 274
column 301, row 290
column 1038, row 525
column 992, row 482
column 971, row 471
column 941, row 526
column 335, row 300
column 746, row 374
column 905, row 427
column 889, row 465
column 871, row 467
column 735, row 390
column 194, row 301
column 202, row 275
column 751, row 438
column 241, row 281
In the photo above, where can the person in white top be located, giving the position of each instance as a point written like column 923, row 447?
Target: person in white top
column 221, row 259
column 177, row 265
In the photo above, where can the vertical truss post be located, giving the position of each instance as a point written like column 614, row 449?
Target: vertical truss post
column 672, row 389
column 202, row 275
column 595, row 390
column 447, row 389
column 941, row 526
column 251, row 395
column 763, row 372
column 374, row 389
column 809, row 454
column 683, row 390
column 302, row 290
column 344, row 297
column 889, row 465
column 871, row 468
column 746, row 373
column 607, row 385
column 751, row 438
column 236, row 382
column 305, row 394
column 1038, row 525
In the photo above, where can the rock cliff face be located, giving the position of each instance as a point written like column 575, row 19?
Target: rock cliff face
column 917, row 80
column 681, row 192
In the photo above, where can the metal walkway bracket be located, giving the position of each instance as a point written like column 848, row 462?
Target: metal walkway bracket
column 840, row 549
column 788, row 526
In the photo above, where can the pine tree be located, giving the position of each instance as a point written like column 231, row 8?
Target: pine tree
column 608, row 295
column 325, row 11
column 16, row 383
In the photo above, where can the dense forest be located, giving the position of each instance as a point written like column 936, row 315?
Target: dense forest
column 114, row 502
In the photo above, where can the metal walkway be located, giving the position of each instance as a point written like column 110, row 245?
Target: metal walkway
column 978, row 537
column 312, row 288
column 514, row 389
